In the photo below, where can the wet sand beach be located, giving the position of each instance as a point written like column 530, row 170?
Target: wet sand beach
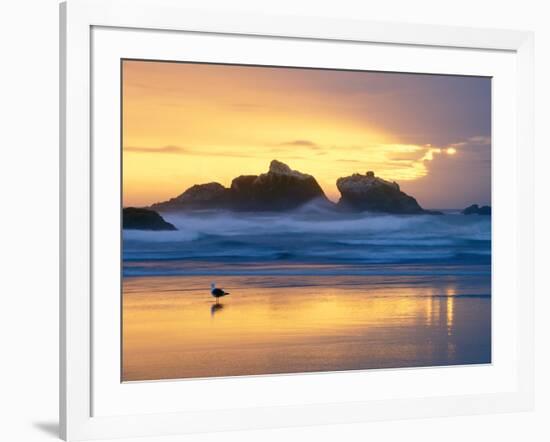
column 172, row 327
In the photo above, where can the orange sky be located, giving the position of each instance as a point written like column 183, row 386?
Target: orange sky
column 186, row 124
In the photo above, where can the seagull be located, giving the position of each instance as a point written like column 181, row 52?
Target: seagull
column 217, row 293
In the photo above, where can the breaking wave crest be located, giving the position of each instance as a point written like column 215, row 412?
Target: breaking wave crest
column 312, row 235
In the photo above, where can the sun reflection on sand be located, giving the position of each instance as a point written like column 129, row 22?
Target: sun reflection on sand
column 174, row 333
column 450, row 292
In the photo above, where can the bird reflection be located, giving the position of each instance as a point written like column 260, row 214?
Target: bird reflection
column 217, row 307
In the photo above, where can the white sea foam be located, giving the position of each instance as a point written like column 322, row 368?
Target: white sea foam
column 311, row 235
column 412, row 226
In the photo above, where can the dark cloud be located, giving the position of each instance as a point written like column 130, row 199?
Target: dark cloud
column 456, row 181
column 416, row 108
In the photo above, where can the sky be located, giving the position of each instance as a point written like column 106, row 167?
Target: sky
column 187, row 123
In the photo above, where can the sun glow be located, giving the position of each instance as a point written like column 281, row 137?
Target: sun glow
column 186, row 124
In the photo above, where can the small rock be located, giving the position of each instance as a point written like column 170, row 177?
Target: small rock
column 144, row 219
column 474, row 209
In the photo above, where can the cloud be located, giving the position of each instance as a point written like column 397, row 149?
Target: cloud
column 345, row 160
column 480, row 140
column 201, row 151
column 476, row 141
column 415, row 155
column 454, row 178
column 300, row 143
column 163, row 149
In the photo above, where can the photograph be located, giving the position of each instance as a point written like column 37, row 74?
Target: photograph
column 282, row 219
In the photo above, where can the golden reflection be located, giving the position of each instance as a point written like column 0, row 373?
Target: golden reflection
column 450, row 314
column 172, row 329
column 429, row 310
column 450, row 292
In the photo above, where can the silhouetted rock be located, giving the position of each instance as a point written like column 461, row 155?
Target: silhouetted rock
column 474, row 209
column 144, row 219
column 199, row 196
column 371, row 193
column 280, row 189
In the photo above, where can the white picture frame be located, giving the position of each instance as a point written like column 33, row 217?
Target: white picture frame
column 83, row 389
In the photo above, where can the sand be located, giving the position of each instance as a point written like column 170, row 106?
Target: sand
column 172, row 327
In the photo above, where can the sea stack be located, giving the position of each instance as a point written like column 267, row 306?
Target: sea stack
column 143, row 219
column 199, row 196
column 371, row 193
column 279, row 189
column 474, row 209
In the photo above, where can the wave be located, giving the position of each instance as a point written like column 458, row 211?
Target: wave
column 325, row 221
column 313, row 235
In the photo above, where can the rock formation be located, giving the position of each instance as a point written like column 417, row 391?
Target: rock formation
column 199, row 196
column 280, row 189
column 474, row 209
column 370, row 193
column 143, row 219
